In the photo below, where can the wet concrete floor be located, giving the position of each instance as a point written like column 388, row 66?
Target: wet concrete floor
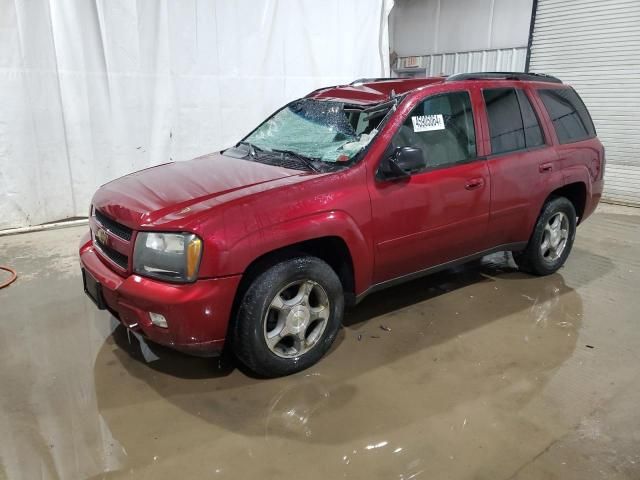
column 486, row 374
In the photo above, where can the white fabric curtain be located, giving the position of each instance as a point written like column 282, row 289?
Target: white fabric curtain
column 93, row 89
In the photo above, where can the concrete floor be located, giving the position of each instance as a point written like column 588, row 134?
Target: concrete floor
column 486, row 374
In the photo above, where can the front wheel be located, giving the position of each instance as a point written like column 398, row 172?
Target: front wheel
column 289, row 317
column 552, row 239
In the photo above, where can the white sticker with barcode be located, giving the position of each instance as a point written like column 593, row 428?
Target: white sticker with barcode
column 427, row 123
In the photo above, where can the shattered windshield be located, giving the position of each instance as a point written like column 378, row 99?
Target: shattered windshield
column 319, row 130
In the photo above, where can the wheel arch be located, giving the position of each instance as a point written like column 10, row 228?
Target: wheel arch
column 325, row 234
column 576, row 193
column 331, row 249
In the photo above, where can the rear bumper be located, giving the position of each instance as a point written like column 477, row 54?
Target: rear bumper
column 197, row 314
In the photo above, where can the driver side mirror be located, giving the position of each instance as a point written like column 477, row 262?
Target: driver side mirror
column 402, row 163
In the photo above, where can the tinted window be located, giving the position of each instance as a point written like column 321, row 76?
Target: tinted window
column 568, row 114
column 442, row 127
column 505, row 122
column 532, row 131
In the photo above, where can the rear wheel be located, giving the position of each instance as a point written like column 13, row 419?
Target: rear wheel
column 552, row 239
column 289, row 317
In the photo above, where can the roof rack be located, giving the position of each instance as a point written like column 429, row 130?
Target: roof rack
column 360, row 81
column 532, row 77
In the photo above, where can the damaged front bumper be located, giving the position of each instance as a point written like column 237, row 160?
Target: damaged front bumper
column 196, row 314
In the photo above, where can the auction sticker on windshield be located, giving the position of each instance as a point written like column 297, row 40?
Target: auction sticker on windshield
column 427, row 123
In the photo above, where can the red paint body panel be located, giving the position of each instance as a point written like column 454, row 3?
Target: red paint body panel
column 243, row 210
column 168, row 195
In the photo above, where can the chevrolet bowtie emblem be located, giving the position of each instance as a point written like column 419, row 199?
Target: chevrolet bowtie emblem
column 101, row 236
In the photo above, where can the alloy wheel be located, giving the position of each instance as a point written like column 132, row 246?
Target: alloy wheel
column 555, row 237
column 296, row 318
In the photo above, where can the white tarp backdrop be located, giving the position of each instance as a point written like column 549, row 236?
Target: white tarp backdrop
column 94, row 89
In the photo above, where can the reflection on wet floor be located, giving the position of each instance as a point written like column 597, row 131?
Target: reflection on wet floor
column 478, row 372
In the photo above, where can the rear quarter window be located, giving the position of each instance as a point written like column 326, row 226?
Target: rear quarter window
column 569, row 116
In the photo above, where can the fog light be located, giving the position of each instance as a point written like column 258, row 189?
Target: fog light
column 158, row 320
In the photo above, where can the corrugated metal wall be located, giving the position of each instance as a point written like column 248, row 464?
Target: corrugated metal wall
column 504, row 59
column 595, row 46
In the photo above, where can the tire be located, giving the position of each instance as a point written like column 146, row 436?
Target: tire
column 544, row 259
column 289, row 317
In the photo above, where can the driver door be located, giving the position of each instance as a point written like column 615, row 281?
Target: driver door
column 440, row 213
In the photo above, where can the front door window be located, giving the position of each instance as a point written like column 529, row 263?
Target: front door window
column 442, row 127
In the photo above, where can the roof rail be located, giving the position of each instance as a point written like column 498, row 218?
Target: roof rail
column 532, row 77
column 360, row 81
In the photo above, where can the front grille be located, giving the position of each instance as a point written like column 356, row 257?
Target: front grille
column 113, row 226
column 116, row 257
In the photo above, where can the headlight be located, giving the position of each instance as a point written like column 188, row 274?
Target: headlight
column 167, row 256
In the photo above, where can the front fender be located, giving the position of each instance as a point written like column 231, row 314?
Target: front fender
column 334, row 223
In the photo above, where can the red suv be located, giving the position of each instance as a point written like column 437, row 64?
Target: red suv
column 336, row 195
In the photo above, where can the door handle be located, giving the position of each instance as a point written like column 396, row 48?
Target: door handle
column 474, row 183
column 545, row 167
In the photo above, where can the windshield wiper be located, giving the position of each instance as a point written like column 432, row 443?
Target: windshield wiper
column 308, row 161
column 254, row 150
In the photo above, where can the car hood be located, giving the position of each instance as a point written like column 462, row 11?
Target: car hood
column 148, row 197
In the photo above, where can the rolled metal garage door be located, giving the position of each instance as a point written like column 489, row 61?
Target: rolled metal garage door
column 595, row 46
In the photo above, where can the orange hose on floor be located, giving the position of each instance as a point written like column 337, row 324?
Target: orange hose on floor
column 13, row 277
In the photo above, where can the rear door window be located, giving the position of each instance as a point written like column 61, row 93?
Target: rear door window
column 532, row 131
column 513, row 124
column 505, row 121
column 568, row 113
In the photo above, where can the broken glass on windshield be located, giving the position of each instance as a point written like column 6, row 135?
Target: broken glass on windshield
column 320, row 130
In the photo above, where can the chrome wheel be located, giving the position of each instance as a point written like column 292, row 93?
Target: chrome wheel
column 296, row 318
column 555, row 237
